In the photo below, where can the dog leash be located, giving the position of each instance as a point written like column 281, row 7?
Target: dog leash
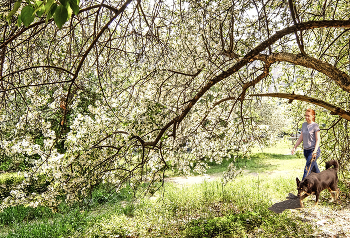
column 312, row 159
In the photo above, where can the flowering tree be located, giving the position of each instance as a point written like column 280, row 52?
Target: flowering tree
column 123, row 90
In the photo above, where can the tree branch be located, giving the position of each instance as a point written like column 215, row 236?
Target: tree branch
column 246, row 59
column 191, row 75
column 334, row 109
column 293, row 13
column 338, row 76
column 81, row 62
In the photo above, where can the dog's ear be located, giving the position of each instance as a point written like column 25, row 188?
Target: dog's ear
column 298, row 181
column 308, row 183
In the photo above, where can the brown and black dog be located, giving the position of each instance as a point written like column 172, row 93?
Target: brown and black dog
column 315, row 183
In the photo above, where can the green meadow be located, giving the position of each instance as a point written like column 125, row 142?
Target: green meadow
column 239, row 208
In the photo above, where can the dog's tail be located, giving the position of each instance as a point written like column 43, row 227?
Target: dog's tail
column 332, row 162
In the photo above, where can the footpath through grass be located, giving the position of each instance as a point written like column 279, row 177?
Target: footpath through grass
column 208, row 209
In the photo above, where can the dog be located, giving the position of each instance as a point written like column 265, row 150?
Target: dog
column 315, row 183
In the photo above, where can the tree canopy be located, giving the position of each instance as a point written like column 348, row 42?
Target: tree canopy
column 119, row 91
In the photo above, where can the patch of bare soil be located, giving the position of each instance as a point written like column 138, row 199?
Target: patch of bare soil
column 330, row 222
column 188, row 180
column 193, row 179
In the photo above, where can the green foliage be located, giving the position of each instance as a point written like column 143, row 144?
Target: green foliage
column 61, row 11
column 27, row 16
column 263, row 222
column 102, row 194
column 5, row 162
column 232, row 225
column 60, row 16
column 9, row 181
column 14, row 10
column 20, row 213
column 60, row 227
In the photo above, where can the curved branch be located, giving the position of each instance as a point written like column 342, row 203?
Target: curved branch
column 338, row 76
column 108, row 136
column 334, row 109
column 21, row 31
column 32, row 85
column 246, row 59
column 37, row 67
column 82, row 60
column 185, row 74
column 113, row 9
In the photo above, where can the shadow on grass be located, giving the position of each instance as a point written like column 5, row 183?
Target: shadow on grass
column 292, row 202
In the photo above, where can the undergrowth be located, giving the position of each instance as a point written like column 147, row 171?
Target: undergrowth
column 238, row 208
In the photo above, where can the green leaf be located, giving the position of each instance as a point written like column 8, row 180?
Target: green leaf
column 40, row 12
column 19, row 21
column 74, row 4
column 48, row 6
column 40, row 8
column 51, row 12
column 69, row 10
column 14, row 10
column 27, row 15
column 60, row 16
column 64, row 3
column 38, row 4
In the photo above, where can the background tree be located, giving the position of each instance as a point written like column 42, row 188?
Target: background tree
column 126, row 89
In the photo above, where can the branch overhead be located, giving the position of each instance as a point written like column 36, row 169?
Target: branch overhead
column 334, row 109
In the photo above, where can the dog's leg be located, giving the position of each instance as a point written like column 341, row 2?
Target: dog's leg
column 317, row 196
column 301, row 200
column 301, row 203
column 337, row 193
column 333, row 194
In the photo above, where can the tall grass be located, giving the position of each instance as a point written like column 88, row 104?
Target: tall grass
column 209, row 209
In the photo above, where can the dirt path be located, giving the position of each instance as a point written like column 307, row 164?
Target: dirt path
column 193, row 179
column 182, row 180
column 331, row 222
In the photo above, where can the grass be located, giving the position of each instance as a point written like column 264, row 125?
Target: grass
column 209, row 209
column 274, row 158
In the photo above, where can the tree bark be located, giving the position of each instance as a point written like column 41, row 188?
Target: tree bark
column 338, row 76
column 334, row 109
